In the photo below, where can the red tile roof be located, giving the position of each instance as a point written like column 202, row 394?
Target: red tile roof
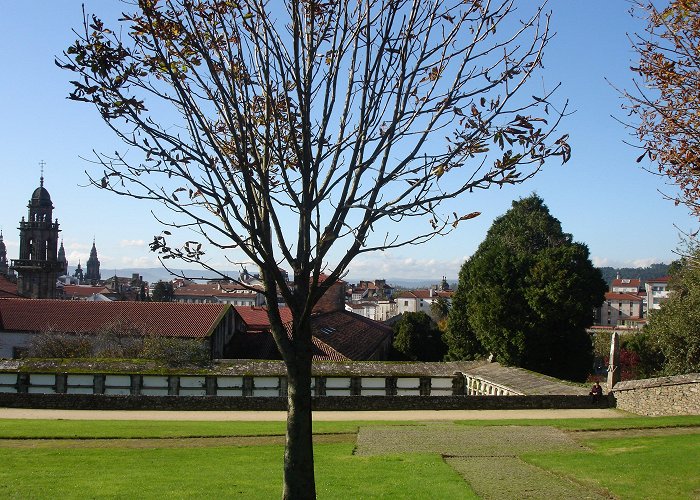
column 256, row 317
column 83, row 290
column 663, row 279
column 166, row 319
column 7, row 287
column 337, row 336
column 348, row 334
column 214, row 290
column 425, row 294
column 626, row 283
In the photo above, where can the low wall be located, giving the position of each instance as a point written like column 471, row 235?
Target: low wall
column 679, row 395
column 338, row 403
column 124, row 384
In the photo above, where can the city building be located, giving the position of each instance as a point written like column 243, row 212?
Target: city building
column 22, row 320
column 657, row 291
column 621, row 310
column 37, row 266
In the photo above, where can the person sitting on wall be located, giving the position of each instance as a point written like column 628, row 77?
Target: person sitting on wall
column 596, row 393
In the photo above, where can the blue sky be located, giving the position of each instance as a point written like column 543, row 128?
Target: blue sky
column 601, row 196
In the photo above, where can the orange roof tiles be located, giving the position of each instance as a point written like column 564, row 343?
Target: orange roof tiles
column 83, row 290
column 7, row 287
column 214, row 290
column 349, row 334
column 425, row 294
column 166, row 319
column 626, row 283
column 256, row 317
column 338, row 335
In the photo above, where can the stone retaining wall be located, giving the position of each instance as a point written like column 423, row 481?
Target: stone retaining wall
column 679, row 395
column 338, row 403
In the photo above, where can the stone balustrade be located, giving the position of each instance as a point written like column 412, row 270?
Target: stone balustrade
column 243, row 385
column 478, row 386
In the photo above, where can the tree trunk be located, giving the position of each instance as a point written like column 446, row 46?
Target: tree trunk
column 299, row 482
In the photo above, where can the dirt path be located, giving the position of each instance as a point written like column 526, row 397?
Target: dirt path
column 319, row 416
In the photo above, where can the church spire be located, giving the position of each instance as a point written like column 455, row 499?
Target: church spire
column 92, row 271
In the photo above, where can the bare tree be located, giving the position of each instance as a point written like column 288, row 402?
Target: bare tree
column 665, row 98
column 282, row 130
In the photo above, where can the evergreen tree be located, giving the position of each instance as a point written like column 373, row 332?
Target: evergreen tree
column 163, row 292
column 527, row 295
column 417, row 338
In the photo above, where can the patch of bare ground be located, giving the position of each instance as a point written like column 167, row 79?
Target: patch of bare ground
column 496, row 478
column 458, row 440
column 203, row 442
column 487, row 457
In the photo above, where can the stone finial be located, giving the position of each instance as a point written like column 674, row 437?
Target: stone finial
column 614, row 362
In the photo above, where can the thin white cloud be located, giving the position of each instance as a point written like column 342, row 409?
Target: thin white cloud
column 142, row 261
column 132, row 243
column 387, row 267
column 615, row 263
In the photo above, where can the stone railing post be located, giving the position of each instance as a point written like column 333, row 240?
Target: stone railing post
column 320, row 386
column 98, row 383
column 390, row 386
column 210, row 385
column 424, row 386
column 61, row 383
column 173, row 385
column 284, row 387
column 458, row 384
column 247, row 385
column 23, row 383
column 355, row 386
column 136, row 383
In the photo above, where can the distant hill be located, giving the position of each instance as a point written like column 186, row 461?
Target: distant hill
column 643, row 273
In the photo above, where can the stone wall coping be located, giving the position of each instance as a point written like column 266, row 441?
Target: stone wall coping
column 630, row 385
column 242, row 367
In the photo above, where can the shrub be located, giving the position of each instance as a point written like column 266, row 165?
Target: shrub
column 175, row 351
column 51, row 344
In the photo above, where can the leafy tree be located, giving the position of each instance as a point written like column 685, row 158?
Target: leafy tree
column 286, row 133
column 527, row 296
column 163, row 292
column 439, row 309
column 666, row 98
column 417, row 338
column 460, row 337
column 673, row 331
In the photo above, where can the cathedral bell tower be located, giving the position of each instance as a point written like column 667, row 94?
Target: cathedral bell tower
column 3, row 256
column 38, row 265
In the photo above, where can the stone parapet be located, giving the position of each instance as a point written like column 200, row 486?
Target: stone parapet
column 678, row 395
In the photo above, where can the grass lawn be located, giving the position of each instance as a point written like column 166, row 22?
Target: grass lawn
column 636, row 467
column 128, row 429
column 136, row 463
column 219, row 472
